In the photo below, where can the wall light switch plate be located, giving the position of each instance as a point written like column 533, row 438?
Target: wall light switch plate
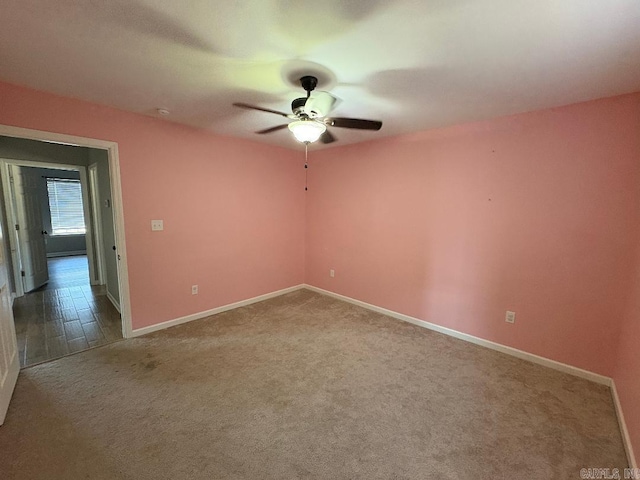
column 510, row 317
column 157, row 225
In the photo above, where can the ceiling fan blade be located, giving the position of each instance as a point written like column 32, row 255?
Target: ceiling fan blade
column 353, row 123
column 253, row 107
column 327, row 137
column 273, row 129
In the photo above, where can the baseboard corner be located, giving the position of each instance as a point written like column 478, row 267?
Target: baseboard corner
column 113, row 301
column 626, row 438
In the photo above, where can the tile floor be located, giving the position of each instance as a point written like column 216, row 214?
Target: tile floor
column 65, row 272
column 65, row 316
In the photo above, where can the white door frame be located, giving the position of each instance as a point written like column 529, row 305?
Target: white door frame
column 8, row 197
column 116, row 201
column 9, row 361
column 97, row 223
column 11, row 214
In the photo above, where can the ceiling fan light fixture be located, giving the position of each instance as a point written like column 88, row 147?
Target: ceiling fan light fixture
column 307, row 131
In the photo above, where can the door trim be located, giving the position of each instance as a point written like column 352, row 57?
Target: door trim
column 92, row 171
column 116, row 201
column 10, row 378
column 14, row 244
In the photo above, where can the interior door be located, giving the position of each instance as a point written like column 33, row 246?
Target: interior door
column 33, row 253
column 9, row 363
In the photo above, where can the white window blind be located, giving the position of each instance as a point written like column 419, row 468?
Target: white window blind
column 65, row 204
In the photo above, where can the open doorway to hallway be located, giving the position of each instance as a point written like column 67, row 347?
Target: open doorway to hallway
column 62, row 249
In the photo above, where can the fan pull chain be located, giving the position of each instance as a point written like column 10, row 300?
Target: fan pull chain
column 306, row 165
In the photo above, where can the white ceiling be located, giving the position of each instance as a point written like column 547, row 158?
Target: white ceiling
column 414, row 64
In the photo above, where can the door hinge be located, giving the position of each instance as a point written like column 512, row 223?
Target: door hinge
column 17, row 227
column 22, row 273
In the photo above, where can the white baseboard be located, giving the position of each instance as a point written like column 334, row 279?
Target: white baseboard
column 578, row 372
column 626, row 439
column 66, row 254
column 207, row 313
column 113, row 301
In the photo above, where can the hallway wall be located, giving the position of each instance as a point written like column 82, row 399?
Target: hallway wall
column 100, row 158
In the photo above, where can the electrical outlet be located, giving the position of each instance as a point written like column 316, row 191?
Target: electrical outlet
column 157, row 225
column 194, row 289
column 332, row 273
column 510, row 317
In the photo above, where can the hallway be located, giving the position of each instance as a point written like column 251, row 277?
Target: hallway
column 65, row 316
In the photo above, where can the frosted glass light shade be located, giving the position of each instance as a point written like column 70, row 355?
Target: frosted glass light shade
column 307, row 131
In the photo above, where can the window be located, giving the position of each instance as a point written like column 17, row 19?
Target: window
column 65, row 204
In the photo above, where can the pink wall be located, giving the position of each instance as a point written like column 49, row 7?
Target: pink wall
column 233, row 210
column 534, row 213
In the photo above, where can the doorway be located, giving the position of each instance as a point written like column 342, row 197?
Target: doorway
column 83, row 302
column 54, row 244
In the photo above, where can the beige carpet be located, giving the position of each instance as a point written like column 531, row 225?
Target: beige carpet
column 303, row 386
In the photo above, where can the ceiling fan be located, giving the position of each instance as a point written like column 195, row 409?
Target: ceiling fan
column 310, row 116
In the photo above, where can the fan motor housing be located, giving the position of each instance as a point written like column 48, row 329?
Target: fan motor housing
column 297, row 106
